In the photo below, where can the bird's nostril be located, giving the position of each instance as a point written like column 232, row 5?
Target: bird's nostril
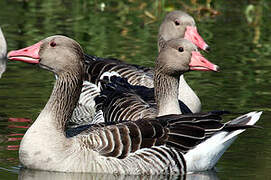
column 208, row 49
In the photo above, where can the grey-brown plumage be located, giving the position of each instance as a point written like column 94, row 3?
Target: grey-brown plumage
column 178, row 131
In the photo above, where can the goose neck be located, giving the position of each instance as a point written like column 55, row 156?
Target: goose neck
column 166, row 94
column 64, row 98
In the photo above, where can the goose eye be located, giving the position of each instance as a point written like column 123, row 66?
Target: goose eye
column 180, row 49
column 177, row 23
column 52, row 44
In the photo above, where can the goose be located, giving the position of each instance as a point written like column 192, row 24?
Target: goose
column 120, row 100
column 3, row 52
column 177, row 24
column 171, row 144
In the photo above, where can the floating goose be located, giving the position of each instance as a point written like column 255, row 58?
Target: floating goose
column 3, row 53
column 166, row 144
column 128, row 102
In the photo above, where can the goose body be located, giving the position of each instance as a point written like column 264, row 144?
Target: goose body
column 160, row 145
column 3, row 53
column 177, row 24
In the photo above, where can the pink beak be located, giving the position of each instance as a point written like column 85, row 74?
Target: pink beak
column 199, row 63
column 29, row 54
column 192, row 35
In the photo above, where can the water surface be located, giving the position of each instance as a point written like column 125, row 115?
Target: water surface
column 238, row 36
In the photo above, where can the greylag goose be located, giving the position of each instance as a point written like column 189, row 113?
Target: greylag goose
column 120, row 100
column 3, row 52
column 161, row 145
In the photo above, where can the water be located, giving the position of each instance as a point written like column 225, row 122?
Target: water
column 238, row 36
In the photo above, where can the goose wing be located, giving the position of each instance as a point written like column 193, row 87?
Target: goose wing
column 118, row 100
column 95, row 67
column 135, row 74
column 181, row 132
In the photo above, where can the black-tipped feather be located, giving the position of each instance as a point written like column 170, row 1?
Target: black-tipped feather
column 182, row 132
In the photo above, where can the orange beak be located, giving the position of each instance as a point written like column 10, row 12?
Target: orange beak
column 200, row 63
column 29, row 54
column 192, row 35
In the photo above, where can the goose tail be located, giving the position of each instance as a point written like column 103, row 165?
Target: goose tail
column 206, row 154
column 240, row 124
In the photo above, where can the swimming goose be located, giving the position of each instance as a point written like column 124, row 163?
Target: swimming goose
column 165, row 144
column 3, row 52
column 120, row 100
column 177, row 24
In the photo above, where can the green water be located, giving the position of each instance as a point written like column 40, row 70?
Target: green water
column 240, row 45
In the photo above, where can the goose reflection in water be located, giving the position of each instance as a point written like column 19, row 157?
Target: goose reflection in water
column 28, row 174
column 15, row 128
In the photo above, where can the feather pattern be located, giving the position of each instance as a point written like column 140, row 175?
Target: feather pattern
column 160, row 143
column 136, row 75
column 180, row 132
column 119, row 104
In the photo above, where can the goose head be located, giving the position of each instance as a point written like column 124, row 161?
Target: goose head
column 55, row 53
column 178, row 24
column 179, row 56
